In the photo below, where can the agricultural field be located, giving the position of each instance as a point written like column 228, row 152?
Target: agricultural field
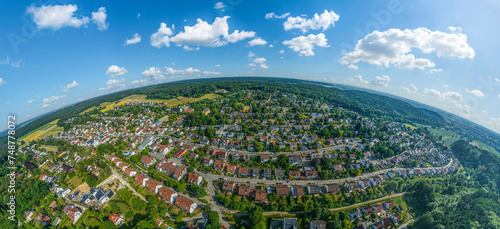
column 46, row 130
column 448, row 136
column 169, row 103
column 111, row 105
column 88, row 110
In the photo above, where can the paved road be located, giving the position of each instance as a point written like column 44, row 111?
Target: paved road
column 305, row 182
column 405, row 225
column 119, row 176
column 214, row 203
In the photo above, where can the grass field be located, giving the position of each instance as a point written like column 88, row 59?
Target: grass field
column 410, row 126
column 111, row 105
column 484, row 146
column 169, row 103
column 88, row 110
column 448, row 136
column 49, row 148
column 46, row 130
column 75, row 181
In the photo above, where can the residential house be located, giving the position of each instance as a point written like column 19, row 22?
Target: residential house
column 185, row 204
column 167, row 194
column 116, row 219
column 194, row 178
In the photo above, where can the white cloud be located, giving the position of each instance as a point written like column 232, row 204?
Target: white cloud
column 138, row 15
column 113, row 84
column 138, row 83
column 136, row 38
column 71, row 86
column 238, row 36
column 56, row 17
column 497, row 80
column 211, row 73
column 154, row 74
column 161, row 37
column 449, row 95
column 99, row 18
column 257, row 41
column 353, row 67
column 393, row 47
column 435, row 70
column 271, row 46
column 114, row 70
column 53, row 99
column 273, row 15
column 411, row 89
column 251, row 54
column 358, row 79
column 380, row 81
column 260, row 60
column 201, row 34
column 31, row 101
column 476, row 93
column 217, row 66
column 305, row 45
column 324, row 20
column 219, row 6
column 2, row 82
column 282, row 51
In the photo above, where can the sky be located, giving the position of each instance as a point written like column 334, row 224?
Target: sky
column 441, row 53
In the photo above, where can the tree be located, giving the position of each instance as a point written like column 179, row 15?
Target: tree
column 257, row 220
column 134, row 159
column 180, row 187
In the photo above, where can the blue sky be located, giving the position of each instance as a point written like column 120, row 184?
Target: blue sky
column 442, row 53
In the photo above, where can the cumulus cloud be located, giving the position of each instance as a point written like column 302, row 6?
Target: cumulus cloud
column 435, row 70
column 113, row 84
column 475, row 92
column 154, row 74
column 353, row 67
column 257, row 41
column 136, row 38
column 238, row 36
column 273, row 15
column 99, row 18
column 378, row 81
column 201, row 34
column 31, row 101
column 449, row 95
column 282, row 51
column 411, row 89
column 261, row 61
column 393, row 47
column 358, row 79
column 305, row 45
column 220, row 6
column 2, row 82
column 52, row 99
column 161, row 37
column 251, row 54
column 114, row 70
column 56, row 17
column 318, row 21
column 497, row 80
column 71, row 86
